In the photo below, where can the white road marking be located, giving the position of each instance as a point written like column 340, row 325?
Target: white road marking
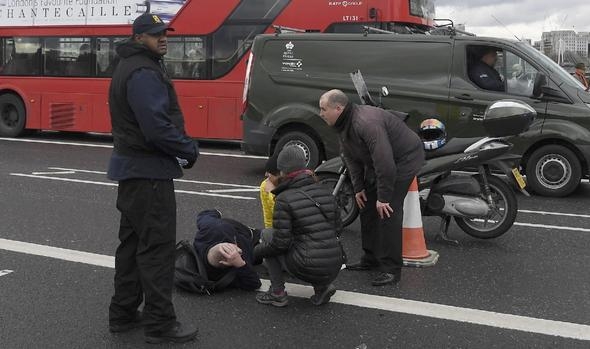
column 5, row 272
column 398, row 305
column 52, row 173
column 176, row 180
column 233, row 190
column 555, row 213
column 557, row 227
column 25, row 140
column 110, row 184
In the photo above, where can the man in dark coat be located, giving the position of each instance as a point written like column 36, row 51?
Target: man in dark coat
column 382, row 155
column 226, row 246
column 149, row 143
column 304, row 237
column 483, row 73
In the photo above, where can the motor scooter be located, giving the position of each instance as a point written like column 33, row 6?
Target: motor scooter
column 482, row 204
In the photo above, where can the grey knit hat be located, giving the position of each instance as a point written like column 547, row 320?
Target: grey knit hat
column 291, row 158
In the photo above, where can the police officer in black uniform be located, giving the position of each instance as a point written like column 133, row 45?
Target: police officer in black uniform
column 483, row 73
column 149, row 145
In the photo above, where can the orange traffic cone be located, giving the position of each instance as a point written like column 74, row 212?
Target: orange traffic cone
column 414, row 246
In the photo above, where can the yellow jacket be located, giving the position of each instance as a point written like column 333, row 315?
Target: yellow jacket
column 268, row 204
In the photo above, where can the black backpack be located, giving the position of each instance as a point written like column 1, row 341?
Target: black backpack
column 190, row 273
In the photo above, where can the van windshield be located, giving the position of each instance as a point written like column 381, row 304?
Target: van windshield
column 557, row 73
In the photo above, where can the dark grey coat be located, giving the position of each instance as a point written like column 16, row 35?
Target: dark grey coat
column 375, row 141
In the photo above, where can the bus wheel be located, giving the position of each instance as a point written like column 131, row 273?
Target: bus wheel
column 553, row 170
column 12, row 115
column 305, row 142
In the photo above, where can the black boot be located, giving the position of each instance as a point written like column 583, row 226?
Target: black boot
column 177, row 334
column 361, row 265
column 386, row 278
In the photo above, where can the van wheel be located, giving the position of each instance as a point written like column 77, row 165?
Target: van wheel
column 553, row 170
column 305, row 142
column 12, row 116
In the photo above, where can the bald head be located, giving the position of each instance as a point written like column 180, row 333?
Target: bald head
column 332, row 104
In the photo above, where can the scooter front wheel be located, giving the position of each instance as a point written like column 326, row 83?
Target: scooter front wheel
column 500, row 219
column 345, row 197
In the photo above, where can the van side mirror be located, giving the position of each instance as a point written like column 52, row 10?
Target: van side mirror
column 554, row 95
column 540, row 81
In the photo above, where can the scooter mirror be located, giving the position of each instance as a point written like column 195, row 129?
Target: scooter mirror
column 508, row 117
column 384, row 91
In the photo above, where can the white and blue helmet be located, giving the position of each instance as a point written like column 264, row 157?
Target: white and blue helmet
column 433, row 134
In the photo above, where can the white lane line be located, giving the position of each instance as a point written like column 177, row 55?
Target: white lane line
column 58, row 253
column 555, row 213
column 5, row 272
column 176, row 180
column 398, row 305
column 245, row 190
column 25, row 140
column 52, row 173
column 115, row 184
column 90, row 145
column 556, row 227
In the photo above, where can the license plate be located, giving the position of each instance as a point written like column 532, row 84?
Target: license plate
column 521, row 182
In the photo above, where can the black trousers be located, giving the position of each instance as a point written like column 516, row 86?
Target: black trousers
column 382, row 238
column 144, row 261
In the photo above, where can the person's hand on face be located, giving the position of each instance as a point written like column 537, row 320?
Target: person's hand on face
column 231, row 255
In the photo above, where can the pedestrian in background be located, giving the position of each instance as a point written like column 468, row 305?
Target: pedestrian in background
column 304, row 238
column 383, row 155
column 149, row 142
column 580, row 75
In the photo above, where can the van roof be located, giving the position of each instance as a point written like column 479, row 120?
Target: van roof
column 382, row 37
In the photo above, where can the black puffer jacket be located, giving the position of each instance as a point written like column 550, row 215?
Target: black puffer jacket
column 302, row 233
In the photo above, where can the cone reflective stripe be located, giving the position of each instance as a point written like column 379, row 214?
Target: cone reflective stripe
column 414, row 246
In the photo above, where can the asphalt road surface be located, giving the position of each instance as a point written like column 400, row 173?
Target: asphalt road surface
column 527, row 289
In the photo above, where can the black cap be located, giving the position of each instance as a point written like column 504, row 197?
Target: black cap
column 581, row 65
column 149, row 23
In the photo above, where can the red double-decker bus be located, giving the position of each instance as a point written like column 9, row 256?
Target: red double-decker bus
column 57, row 56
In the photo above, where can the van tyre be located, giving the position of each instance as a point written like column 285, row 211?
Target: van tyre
column 500, row 221
column 553, row 170
column 305, row 142
column 345, row 199
column 12, row 115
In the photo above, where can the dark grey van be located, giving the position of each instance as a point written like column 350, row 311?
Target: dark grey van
column 427, row 76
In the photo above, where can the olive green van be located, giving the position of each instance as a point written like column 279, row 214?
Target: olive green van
column 426, row 76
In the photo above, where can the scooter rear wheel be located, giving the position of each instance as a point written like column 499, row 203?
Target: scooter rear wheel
column 500, row 220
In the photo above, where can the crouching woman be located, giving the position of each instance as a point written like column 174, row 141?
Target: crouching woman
column 304, row 237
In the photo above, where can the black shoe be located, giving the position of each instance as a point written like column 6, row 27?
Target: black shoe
column 322, row 296
column 360, row 265
column 385, row 279
column 177, row 334
column 127, row 326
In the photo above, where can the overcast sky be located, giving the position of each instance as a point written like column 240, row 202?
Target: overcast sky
column 523, row 18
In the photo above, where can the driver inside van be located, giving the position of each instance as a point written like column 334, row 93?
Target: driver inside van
column 483, row 73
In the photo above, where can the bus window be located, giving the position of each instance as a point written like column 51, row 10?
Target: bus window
column 186, row 58
column 6, row 56
column 69, row 57
column 22, row 56
column 234, row 38
column 106, row 55
column 229, row 45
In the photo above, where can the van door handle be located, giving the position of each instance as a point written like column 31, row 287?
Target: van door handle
column 464, row 97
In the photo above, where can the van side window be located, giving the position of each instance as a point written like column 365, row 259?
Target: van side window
column 485, row 67
column 520, row 75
